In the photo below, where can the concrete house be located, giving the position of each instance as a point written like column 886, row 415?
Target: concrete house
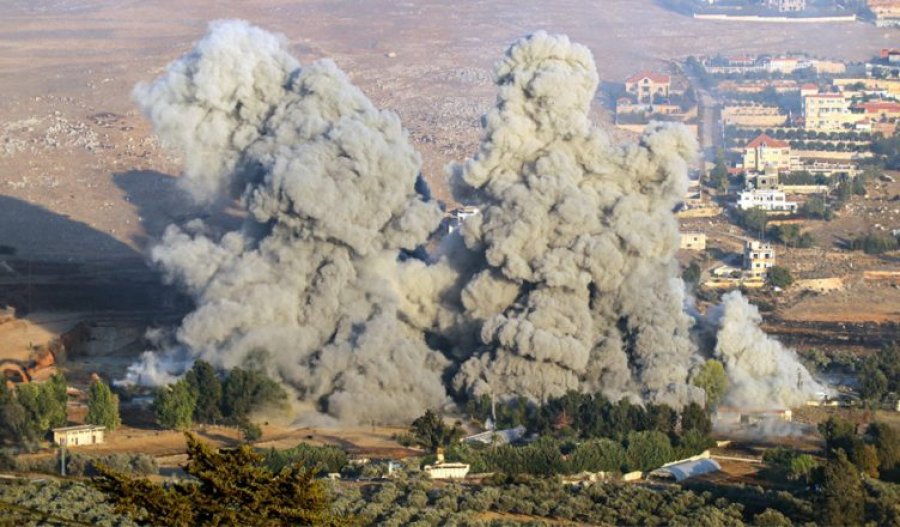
column 645, row 85
column 759, row 257
column 80, row 435
column 693, row 241
column 764, row 152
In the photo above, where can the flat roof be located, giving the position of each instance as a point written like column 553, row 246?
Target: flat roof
column 79, row 427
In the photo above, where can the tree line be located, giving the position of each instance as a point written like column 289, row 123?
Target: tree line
column 206, row 396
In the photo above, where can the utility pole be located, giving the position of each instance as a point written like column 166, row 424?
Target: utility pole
column 62, row 463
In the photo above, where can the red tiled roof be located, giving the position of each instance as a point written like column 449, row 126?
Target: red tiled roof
column 652, row 75
column 827, row 95
column 874, row 107
column 809, row 86
column 763, row 139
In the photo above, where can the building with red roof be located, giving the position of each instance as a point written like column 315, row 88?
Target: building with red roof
column 647, row 85
column 766, row 152
column 879, row 109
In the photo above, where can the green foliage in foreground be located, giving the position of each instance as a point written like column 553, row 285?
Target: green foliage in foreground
column 229, row 487
column 519, row 500
column 56, row 503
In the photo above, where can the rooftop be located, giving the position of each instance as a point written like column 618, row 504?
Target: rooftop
column 688, row 469
column 826, row 96
column 764, row 140
column 647, row 74
column 876, row 106
column 79, row 427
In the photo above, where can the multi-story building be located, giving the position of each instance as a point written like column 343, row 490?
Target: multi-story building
column 826, row 112
column 647, row 85
column 764, row 152
column 769, row 200
column 759, row 257
column 887, row 12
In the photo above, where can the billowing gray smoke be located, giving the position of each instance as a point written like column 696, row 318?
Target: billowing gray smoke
column 579, row 289
column 762, row 373
column 566, row 279
column 328, row 182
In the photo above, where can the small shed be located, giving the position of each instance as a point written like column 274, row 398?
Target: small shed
column 688, row 469
column 80, row 435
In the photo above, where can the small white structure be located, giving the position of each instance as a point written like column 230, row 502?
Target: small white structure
column 458, row 216
column 80, row 435
column 686, row 469
column 444, row 470
column 769, row 200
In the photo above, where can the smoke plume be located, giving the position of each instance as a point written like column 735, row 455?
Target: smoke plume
column 762, row 373
column 579, row 288
column 327, row 180
column 565, row 279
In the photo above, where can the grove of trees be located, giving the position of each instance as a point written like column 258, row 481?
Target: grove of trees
column 202, row 397
column 30, row 410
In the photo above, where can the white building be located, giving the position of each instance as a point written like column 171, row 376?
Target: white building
column 759, row 257
column 683, row 470
column 458, row 216
column 444, row 470
column 81, row 435
column 769, row 200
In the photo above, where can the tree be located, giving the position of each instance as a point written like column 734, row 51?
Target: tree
column 842, row 498
column 780, row 276
column 886, row 441
column 691, row 274
column 431, row 432
column 866, row 460
column 598, row 455
column 801, row 467
column 771, row 518
column 232, row 487
column 174, row 406
column 880, row 373
column 839, row 434
column 648, row 450
column 247, row 390
column 694, row 417
column 103, row 406
column 206, row 386
column 754, row 220
column 14, row 427
column 692, row 443
column 39, row 407
column 714, row 381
